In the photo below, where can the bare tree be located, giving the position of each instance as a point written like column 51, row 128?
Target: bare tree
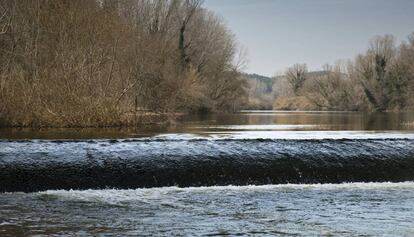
column 332, row 90
column 374, row 68
column 190, row 8
column 96, row 63
column 296, row 76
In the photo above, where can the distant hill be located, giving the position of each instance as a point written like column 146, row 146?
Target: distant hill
column 257, row 77
column 317, row 73
column 263, row 90
column 309, row 74
column 267, row 81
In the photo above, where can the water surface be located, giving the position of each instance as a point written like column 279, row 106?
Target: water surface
column 259, row 123
column 342, row 209
column 360, row 209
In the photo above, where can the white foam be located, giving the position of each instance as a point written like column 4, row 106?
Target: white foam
column 290, row 135
column 166, row 194
column 264, row 127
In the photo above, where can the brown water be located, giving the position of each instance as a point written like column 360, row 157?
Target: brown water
column 259, row 123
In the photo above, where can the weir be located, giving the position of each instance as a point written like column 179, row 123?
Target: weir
column 37, row 165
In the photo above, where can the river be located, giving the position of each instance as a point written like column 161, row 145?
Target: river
column 252, row 173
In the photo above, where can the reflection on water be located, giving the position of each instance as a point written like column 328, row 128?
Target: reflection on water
column 315, row 120
column 239, row 122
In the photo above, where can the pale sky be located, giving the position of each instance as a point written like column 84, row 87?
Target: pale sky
column 279, row 33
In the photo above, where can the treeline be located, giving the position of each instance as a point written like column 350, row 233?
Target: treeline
column 98, row 62
column 381, row 79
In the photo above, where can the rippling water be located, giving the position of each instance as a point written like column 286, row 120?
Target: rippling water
column 347, row 209
column 358, row 209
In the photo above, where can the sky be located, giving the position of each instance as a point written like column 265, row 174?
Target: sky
column 280, row 33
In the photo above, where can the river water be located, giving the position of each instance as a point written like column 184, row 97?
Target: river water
column 253, row 173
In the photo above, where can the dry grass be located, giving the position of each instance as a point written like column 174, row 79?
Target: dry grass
column 294, row 103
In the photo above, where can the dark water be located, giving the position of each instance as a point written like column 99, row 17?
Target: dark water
column 145, row 163
column 266, row 173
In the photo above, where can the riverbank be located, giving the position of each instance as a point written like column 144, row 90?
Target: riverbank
column 303, row 103
column 295, row 103
column 114, row 120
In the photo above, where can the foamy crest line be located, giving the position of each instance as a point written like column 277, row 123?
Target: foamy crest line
column 264, row 127
column 114, row 196
column 288, row 135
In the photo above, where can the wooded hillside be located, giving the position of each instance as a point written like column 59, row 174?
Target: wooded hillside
column 97, row 62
